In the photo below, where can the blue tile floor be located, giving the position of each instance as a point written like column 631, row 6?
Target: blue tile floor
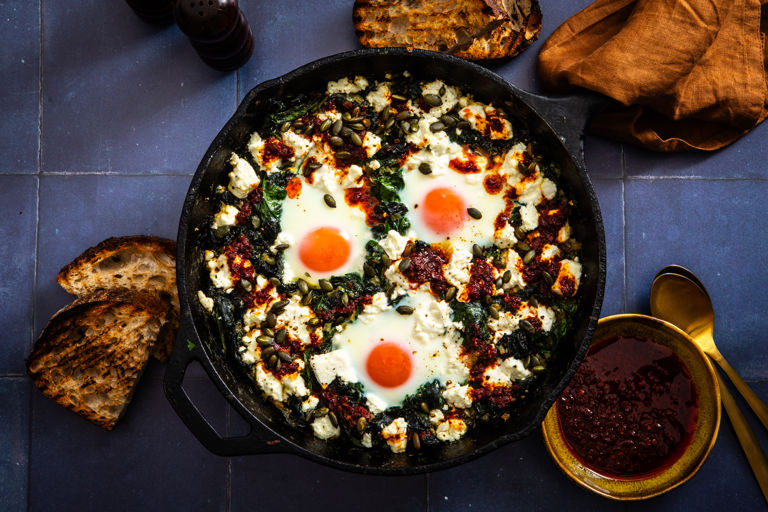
column 105, row 119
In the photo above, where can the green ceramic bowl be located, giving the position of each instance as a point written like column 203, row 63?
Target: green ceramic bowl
column 708, row 422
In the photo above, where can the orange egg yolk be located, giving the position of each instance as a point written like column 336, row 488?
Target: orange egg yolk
column 325, row 249
column 388, row 365
column 443, row 210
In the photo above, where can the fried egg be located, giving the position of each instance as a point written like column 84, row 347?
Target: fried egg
column 393, row 354
column 322, row 240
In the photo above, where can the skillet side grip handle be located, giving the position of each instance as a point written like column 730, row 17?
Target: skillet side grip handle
column 569, row 115
column 184, row 352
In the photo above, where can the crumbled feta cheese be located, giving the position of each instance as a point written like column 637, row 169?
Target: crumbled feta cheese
column 310, row 404
column 449, row 96
column 530, row 217
column 371, row 143
column 205, row 301
column 294, row 320
column 366, row 440
column 333, row 364
column 344, row 85
column 225, row 217
column 219, row 272
column 514, row 264
column 375, row 404
column 395, row 434
column 371, row 311
column 323, row 428
column 548, row 188
column 379, row 98
column 353, row 174
column 242, row 177
column 457, row 396
column 451, row 430
column 269, row 384
column 300, row 144
column 293, row 384
column 504, row 372
column 282, row 238
column 564, row 233
column 505, row 237
column 436, row 416
column 394, row 244
column 570, row 272
column 457, row 270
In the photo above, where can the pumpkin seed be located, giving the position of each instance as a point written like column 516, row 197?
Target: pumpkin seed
column 281, row 247
column 305, row 301
column 523, row 169
column 475, row 213
column 356, row 140
column 321, row 411
column 529, row 148
column 325, row 285
column 345, row 132
column 336, row 141
column 448, row 121
column 329, row 200
column 385, row 259
column 385, row 115
column 264, row 341
column 366, row 123
column 522, row 247
column 278, row 365
column 527, row 325
column 548, row 278
column 450, row 294
column 398, row 97
column 520, row 233
column 416, row 441
column 268, row 352
column 266, row 258
column 313, row 322
column 284, row 356
column 425, row 168
column 281, row 336
column 345, row 298
column 437, row 126
column 362, row 423
column 334, row 419
column 404, row 265
column 506, row 276
column 326, row 124
column 531, row 167
column 247, row 286
column 275, row 282
column 404, row 310
column 356, row 111
column 303, row 287
column 433, row 100
column 538, row 368
column 368, row 270
column 494, row 312
column 529, row 256
column 402, row 115
column 477, row 251
column 389, row 123
column 285, row 127
column 343, row 155
column 499, row 283
column 357, row 126
column 256, row 222
column 308, row 130
column 297, row 124
column 346, row 116
column 425, row 407
column 414, row 126
column 336, row 127
column 441, row 92
column 463, row 125
column 375, row 281
column 405, row 126
column 408, row 250
column 270, row 319
column 533, row 301
column 268, row 331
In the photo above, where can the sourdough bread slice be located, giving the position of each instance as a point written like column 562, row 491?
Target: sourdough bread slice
column 471, row 29
column 140, row 263
column 91, row 354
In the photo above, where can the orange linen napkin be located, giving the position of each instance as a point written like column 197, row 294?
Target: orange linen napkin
column 689, row 74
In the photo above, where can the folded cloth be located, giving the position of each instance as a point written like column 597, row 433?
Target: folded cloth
column 689, row 74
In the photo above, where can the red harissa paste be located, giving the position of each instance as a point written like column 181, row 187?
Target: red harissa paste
column 630, row 410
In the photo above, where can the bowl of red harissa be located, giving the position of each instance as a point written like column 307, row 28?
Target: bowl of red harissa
column 641, row 413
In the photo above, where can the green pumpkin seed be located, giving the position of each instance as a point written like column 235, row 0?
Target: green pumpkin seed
column 356, row 140
column 303, row 287
column 477, row 251
column 433, row 100
column 247, row 286
column 270, row 320
column 357, row 126
column 425, row 407
column 437, row 126
column 336, row 127
column 329, row 200
column 389, row 123
column 425, row 168
column 281, row 336
column 404, row 265
column 282, row 247
column 442, row 90
column 343, row 155
column 334, row 419
column 284, row 356
column 368, row 270
column 256, row 222
column 450, row 294
column 275, row 282
column 548, row 278
column 325, row 285
column 266, row 258
column 414, row 126
column 494, row 312
column 268, row 352
column 527, row 326
column 322, row 411
column 506, row 276
column 366, row 123
column 520, row 233
column 499, row 283
column 416, row 441
column 405, row 126
column 313, row 322
column 463, row 125
column 533, row 301
column 448, row 121
column 268, row 331
column 362, row 423
column 404, row 310
column 278, row 364
column 408, row 250
column 385, row 259
column 285, row 127
column 345, row 132
column 336, row 141
column 326, row 124
column 279, row 306
column 401, row 116
column 529, row 256
column 346, row 116
column 475, row 213
column 345, row 298
column 297, row 124
column 264, row 341
column 356, row 111
column 522, row 247
column 384, row 115
column 307, row 299
column 398, row 97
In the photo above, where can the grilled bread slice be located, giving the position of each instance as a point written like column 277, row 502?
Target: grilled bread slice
column 471, row 29
column 91, row 354
column 141, row 263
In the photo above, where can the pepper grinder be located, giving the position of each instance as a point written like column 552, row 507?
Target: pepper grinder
column 218, row 31
column 153, row 11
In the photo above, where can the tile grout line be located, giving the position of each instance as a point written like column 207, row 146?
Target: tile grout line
column 625, row 277
column 37, row 244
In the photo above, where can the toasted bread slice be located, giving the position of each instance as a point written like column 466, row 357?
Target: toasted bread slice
column 471, row 29
column 91, row 354
column 141, row 263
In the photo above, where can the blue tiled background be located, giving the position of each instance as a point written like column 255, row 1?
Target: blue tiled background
column 104, row 119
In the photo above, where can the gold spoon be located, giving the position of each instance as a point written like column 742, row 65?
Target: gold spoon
column 675, row 294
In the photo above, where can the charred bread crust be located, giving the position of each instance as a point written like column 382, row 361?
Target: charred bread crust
column 91, row 353
column 473, row 29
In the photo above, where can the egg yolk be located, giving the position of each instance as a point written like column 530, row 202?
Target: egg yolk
column 325, row 249
column 443, row 210
column 388, row 365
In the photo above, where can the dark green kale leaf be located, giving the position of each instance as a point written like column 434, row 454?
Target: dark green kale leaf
column 475, row 140
column 287, row 109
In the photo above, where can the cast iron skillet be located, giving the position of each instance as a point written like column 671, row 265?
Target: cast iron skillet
column 198, row 339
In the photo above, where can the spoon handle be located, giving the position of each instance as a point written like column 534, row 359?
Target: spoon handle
column 749, row 444
column 757, row 405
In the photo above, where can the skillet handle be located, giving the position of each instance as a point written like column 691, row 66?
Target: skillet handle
column 184, row 352
column 568, row 115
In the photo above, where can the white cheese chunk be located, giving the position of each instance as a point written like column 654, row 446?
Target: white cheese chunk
column 333, row 364
column 457, row 396
column 269, row 384
column 219, row 272
column 323, row 428
column 347, row 86
column 371, row 143
column 394, row 244
column 225, row 217
column 205, row 301
column 502, row 373
column 378, row 305
column 242, row 177
column 451, row 430
column 375, row 404
column 379, row 98
column 396, row 435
